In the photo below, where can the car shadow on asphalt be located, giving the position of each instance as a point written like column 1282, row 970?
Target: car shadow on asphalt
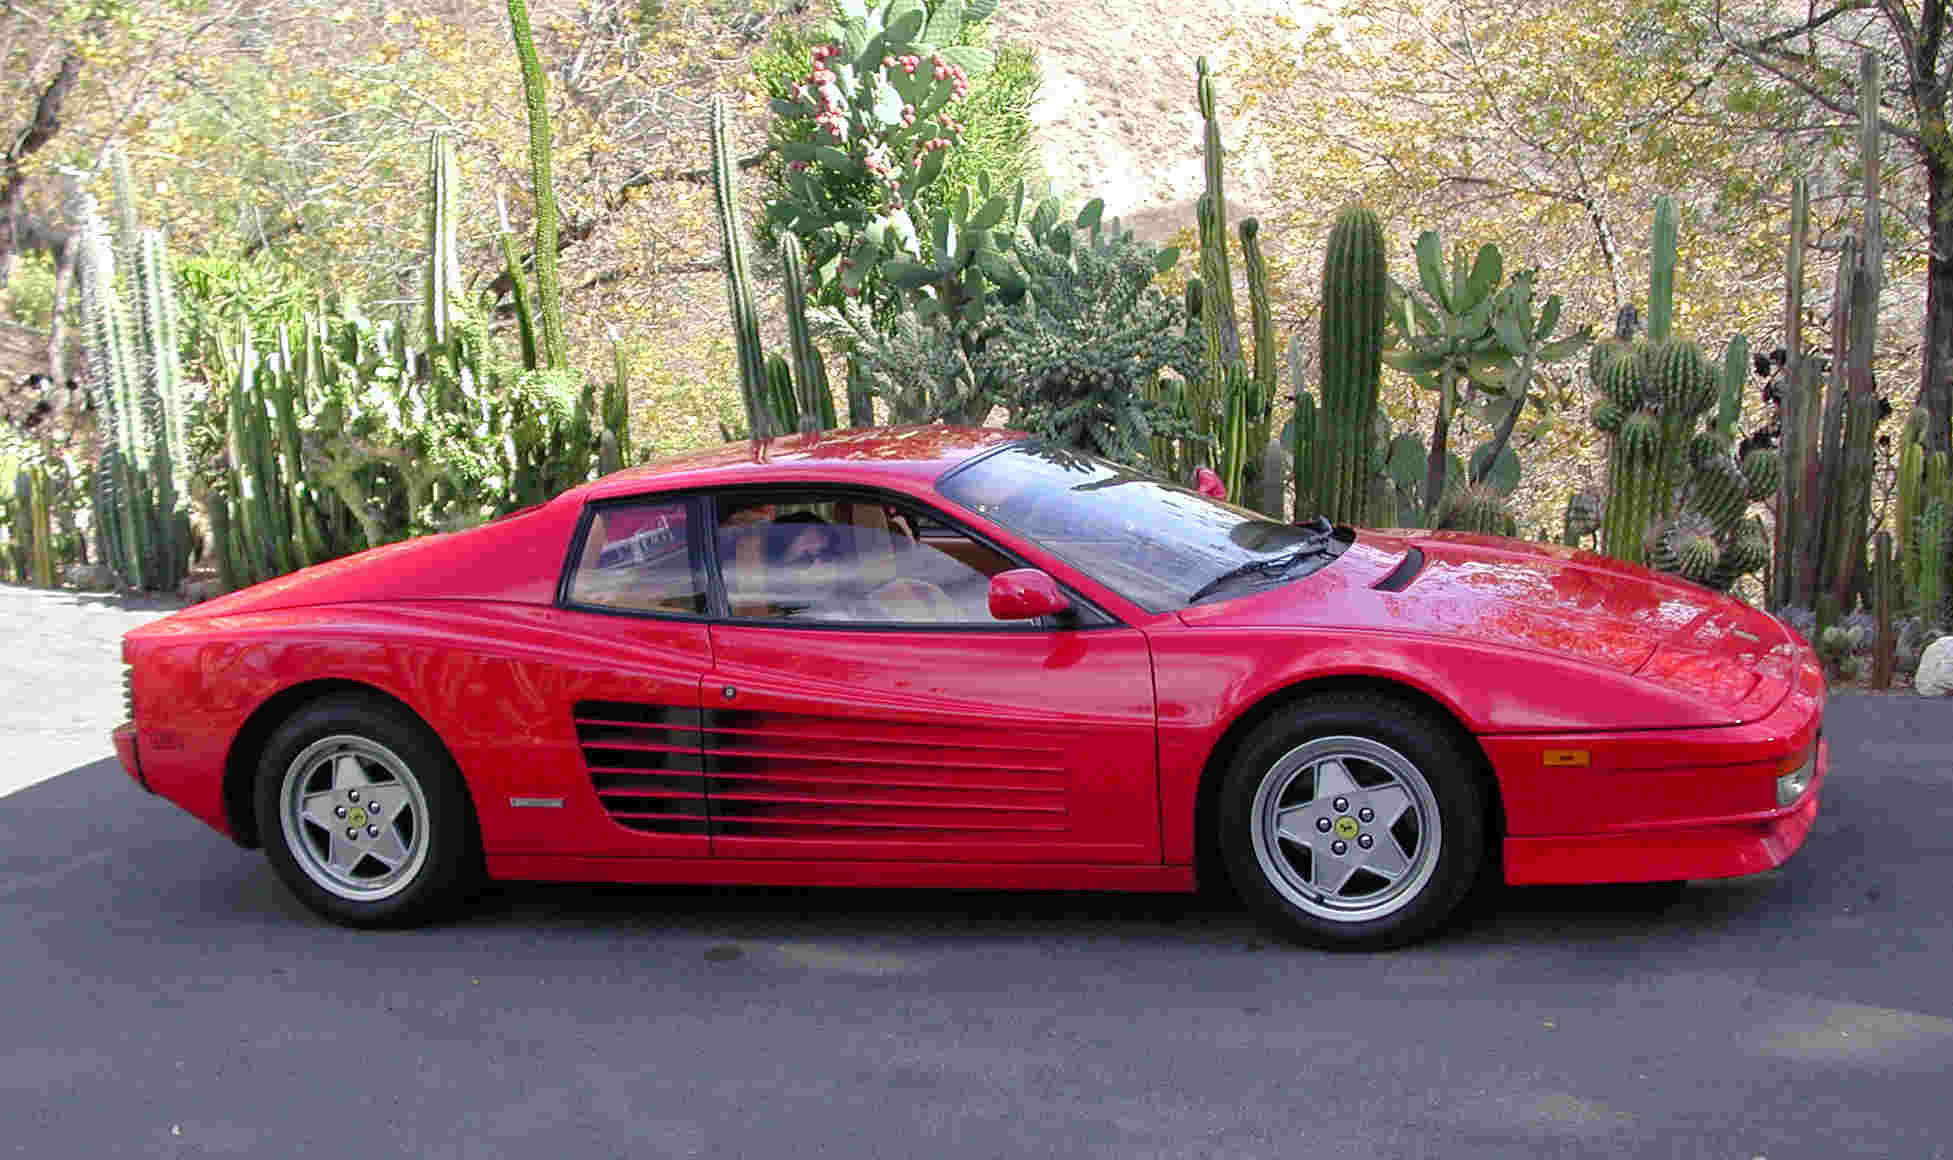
column 1502, row 915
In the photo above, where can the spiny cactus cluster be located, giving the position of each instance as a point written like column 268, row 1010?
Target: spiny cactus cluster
column 1228, row 404
column 1924, row 517
column 142, row 510
column 27, row 520
column 347, row 434
column 1476, row 507
column 1677, row 497
column 1090, row 335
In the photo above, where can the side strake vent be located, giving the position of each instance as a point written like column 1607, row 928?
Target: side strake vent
column 1405, row 571
column 793, row 775
column 669, row 769
column 644, row 764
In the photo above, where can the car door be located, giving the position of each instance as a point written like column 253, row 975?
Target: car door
column 624, row 691
column 872, row 708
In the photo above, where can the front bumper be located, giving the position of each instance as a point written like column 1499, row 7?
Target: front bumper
column 1728, row 847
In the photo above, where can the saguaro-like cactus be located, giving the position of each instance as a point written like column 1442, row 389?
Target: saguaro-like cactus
column 1354, row 288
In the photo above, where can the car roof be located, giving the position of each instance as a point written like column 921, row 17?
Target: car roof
column 918, row 454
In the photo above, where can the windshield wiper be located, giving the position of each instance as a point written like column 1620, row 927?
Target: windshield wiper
column 1274, row 565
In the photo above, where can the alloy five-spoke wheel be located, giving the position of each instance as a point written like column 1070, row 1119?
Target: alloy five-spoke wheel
column 1347, row 828
column 364, row 815
column 1354, row 820
column 355, row 817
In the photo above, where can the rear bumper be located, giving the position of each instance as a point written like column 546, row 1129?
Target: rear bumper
column 125, row 749
column 1708, row 848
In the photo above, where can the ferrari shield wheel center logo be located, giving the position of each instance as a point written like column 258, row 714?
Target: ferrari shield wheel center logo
column 357, row 817
column 1345, row 827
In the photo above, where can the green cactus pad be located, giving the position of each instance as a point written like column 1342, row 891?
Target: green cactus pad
column 1607, row 417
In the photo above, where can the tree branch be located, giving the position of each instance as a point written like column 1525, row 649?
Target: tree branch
column 39, row 131
column 1761, row 60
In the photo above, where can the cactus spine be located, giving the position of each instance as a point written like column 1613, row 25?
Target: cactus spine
column 535, row 97
column 1354, row 284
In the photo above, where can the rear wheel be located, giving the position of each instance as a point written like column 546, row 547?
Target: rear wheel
column 364, row 815
column 1353, row 821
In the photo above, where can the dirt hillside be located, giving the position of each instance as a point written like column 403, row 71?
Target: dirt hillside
column 1116, row 117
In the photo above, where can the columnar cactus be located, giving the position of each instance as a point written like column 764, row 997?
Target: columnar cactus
column 1302, row 437
column 811, row 391
column 554, row 350
column 1354, row 289
column 1926, row 556
column 142, row 509
column 1582, row 518
column 443, row 282
column 739, row 290
column 1885, row 581
column 1829, row 429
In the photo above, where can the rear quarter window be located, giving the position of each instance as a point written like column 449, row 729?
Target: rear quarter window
column 640, row 557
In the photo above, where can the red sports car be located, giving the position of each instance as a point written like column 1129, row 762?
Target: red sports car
column 952, row 657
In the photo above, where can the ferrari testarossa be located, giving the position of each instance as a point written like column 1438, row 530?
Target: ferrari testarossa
column 953, row 657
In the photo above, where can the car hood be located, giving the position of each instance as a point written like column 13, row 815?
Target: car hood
column 1721, row 655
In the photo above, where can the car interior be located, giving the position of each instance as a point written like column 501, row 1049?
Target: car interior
column 801, row 558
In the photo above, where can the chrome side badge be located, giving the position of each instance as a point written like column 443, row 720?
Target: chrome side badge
column 536, row 803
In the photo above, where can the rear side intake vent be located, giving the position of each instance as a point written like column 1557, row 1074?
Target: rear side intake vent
column 644, row 764
column 1405, row 571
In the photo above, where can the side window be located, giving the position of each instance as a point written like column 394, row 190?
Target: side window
column 639, row 557
column 834, row 559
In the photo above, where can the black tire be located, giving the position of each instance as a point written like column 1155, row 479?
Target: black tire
column 1384, row 749
column 433, row 830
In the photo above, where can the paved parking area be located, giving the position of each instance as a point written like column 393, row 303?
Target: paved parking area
column 163, row 996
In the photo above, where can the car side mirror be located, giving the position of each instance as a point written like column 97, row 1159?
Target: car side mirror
column 1025, row 594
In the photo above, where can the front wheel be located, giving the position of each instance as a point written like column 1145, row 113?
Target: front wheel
column 364, row 816
column 1353, row 821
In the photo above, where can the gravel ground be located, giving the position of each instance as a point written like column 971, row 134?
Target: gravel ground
column 61, row 677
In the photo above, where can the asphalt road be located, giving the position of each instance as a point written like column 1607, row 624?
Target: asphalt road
column 161, row 995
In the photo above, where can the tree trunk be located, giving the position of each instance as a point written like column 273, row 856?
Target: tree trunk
column 1936, row 361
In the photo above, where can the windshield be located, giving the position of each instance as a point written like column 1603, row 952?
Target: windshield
column 1157, row 544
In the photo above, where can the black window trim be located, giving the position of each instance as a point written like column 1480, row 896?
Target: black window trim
column 1087, row 614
